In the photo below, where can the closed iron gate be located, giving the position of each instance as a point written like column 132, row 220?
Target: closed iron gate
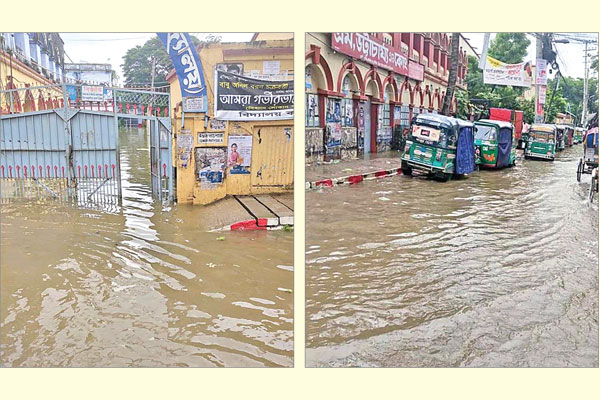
column 67, row 148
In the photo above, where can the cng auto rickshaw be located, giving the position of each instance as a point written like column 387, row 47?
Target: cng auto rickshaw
column 541, row 142
column 440, row 146
column 495, row 144
column 578, row 135
column 588, row 164
column 560, row 137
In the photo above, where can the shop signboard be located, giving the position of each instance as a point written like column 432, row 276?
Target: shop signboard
column 363, row 47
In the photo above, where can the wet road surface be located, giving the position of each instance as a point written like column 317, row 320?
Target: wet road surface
column 143, row 285
column 499, row 269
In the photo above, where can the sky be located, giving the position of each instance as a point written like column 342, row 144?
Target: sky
column 111, row 47
column 570, row 59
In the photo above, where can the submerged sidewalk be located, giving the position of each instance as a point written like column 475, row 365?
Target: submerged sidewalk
column 353, row 171
column 257, row 212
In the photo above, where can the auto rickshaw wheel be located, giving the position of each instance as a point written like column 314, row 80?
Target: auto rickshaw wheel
column 579, row 170
column 406, row 170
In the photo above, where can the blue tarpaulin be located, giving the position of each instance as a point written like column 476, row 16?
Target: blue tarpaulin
column 465, row 151
column 504, row 147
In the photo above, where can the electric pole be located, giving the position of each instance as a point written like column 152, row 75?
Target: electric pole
column 539, row 109
column 585, row 85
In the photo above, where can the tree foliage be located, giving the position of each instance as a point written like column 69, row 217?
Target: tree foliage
column 137, row 62
column 510, row 48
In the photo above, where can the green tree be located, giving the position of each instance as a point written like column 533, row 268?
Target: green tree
column 510, row 48
column 137, row 62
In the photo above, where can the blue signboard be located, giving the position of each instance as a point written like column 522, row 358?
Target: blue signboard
column 187, row 65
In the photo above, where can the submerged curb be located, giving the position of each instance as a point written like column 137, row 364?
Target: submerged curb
column 354, row 179
column 260, row 224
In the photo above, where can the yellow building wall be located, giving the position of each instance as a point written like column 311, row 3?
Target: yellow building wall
column 271, row 168
column 22, row 75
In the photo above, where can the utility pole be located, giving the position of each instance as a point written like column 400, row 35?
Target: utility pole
column 152, row 84
column 585, row 85
column 539, row 109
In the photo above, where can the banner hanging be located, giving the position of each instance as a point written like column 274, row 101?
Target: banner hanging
column 239, row 98
column 498, row 73
column 187, row 66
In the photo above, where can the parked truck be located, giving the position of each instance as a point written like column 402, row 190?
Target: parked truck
column 515, row 117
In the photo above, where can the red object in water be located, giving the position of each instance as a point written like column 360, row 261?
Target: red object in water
column 325, row 182
column 380, row 174
column 355, row 179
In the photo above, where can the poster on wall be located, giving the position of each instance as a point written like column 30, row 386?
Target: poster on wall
column 185, row 143
column 542, row 95
column 239, row 98
column 334, row 134
column 239, row 157
column 496, row 72
column 210, row 166
column 334, row 113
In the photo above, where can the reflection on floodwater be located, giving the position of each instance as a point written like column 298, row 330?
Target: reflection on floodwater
column 499, row 269
column 140, row 285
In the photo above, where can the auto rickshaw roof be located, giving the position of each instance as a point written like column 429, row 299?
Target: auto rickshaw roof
column 499, row 124
column 550, row 128
column 442, row 120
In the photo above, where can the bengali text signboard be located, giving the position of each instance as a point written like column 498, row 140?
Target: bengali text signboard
column 496, row 72
column 365, row 48
column 240, row 98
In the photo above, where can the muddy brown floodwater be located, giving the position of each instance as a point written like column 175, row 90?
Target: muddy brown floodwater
column 499, row 269
column 141, row 285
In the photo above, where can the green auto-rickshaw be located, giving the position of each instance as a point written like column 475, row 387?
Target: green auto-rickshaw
column 495, row 144
column 439, row 145
column 578, row 135
column 541, row 142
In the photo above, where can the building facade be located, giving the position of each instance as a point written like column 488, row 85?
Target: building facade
column 363, row 89
column 90, row 73
column 29, row 60
column 204, row 143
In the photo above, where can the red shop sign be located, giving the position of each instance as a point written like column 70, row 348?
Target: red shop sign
column 363, row 47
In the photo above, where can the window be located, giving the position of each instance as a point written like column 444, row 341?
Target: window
column 386, row 114
column 484, row 132
column 387, row 38
column 404, row 116
column 312, row 110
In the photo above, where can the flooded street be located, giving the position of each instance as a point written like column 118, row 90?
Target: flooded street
column 142, row 285
column 496, row 270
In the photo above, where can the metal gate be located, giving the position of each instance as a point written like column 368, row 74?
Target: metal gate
column 66, row 147
column 160, row 158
